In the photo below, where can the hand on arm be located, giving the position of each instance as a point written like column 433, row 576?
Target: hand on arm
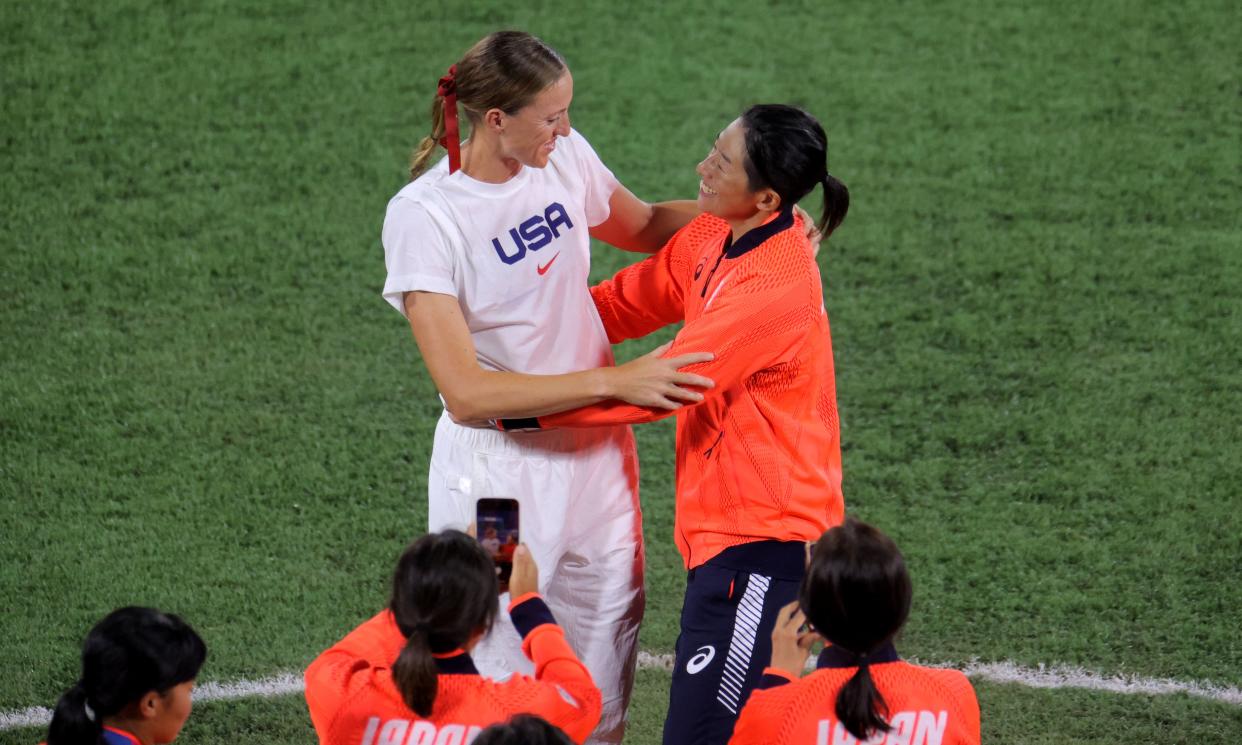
column 655, row 381
column 750, row 327
column 474, row 394
column 635, row 225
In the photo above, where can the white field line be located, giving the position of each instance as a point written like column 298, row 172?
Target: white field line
column 1044, row 676
column 280, row 685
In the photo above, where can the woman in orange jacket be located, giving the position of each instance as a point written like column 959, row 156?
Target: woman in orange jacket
column 856, row 594
column 759, row 459
column 405, row 676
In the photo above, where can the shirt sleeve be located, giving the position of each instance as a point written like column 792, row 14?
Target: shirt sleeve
column 598, row 181
column 773, row 678
column 756, row 322
column 645, row 296
column 571, row 699
column 348, row 667
column 759, row 722
column 417, row 253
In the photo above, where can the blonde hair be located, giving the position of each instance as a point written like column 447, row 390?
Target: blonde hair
column 504, row 70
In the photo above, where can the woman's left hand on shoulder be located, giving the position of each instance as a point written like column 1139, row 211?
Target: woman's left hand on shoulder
column 812, row 233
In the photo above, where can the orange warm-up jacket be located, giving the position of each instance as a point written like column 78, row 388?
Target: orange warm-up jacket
column 760, row 457
column 925, row 706
column 353, row 700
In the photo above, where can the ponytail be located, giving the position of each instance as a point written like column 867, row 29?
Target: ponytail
column 856, row 593
column 861, row 708
column 787, row 151
column 836, row 204
column 414, row 673
column 418, row 161
column 74, row 722
column 444, row 593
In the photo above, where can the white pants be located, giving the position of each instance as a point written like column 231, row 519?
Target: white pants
column 577, row 491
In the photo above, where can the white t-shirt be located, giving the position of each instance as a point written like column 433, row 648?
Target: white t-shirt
column 515, row 255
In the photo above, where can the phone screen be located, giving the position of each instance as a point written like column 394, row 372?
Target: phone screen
column 496, row 522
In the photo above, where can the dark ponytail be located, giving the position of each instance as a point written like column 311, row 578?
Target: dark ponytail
column 787, row 152
column 857, row 594
column 74, row 721
column 128, row 654
column 836, row 204
column 861, row 706
column 443, row 592
column 414, row 672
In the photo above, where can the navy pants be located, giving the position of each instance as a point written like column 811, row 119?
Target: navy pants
column 726, row 636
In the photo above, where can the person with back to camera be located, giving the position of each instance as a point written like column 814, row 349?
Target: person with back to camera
column 523, row 729
column 406, row 675
column 856, row 595
column 138, row 668
column 759, row 460
column 487, row 255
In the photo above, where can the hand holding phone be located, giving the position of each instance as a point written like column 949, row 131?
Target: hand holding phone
column 525, row 576
column 496, row 525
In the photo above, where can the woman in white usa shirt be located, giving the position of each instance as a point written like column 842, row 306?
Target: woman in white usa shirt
column 488, row 254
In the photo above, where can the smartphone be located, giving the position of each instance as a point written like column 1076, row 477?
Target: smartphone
column 496, row 522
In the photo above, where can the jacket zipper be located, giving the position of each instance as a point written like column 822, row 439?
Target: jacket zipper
column 712, row 273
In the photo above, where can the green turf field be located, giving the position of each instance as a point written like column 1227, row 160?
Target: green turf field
column 1036, row 303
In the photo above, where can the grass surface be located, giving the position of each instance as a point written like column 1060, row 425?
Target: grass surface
column 1013, row 715
column 205, row 405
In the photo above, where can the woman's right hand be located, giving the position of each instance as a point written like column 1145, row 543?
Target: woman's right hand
column 791, row 643
column 525, row 575
column 655, row 381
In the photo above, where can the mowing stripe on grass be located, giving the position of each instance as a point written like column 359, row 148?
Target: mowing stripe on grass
column 1044, row 676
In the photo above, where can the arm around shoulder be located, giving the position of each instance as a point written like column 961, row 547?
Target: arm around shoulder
column 635, row 225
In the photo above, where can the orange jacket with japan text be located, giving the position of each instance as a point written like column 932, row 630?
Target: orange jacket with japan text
column 924, row 705
column 760, row 457
column 353, row 700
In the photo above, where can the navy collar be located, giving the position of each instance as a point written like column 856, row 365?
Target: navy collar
column 458, row 664
column 838, row 657
column 755, row 236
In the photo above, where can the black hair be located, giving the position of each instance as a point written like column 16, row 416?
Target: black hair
column 523, row 729
column 128, row 654
column 856, row 593
column 787, row 151
column 444, row 590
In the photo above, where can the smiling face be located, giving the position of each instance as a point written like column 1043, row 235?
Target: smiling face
column 725, row 188
column 529, row 135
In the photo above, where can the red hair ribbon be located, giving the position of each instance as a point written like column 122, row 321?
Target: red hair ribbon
column 452, row 137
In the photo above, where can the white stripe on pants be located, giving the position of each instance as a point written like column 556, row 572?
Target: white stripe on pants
column 577, row 491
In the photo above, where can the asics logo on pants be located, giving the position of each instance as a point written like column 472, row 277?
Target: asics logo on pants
column 701, row 660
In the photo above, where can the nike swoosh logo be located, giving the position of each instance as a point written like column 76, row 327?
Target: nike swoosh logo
column 543, row 268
